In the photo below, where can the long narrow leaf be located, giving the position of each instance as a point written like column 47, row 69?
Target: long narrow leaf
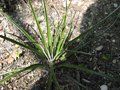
column 23, row 45
column 76, row 82
column 56, row 82
column 57, row 35
column 31, row 68
column 39, row 28
column 67, row 35
column 11, row 71
column 48, row 29
column 80, row 67
column 83, row 44
column 91, row 28
column 71, row 27
column 62, row 36
column 29, row 37
column 50, row 78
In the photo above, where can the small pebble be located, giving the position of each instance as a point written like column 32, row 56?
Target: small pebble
column 10, row 87
column 106, row 13
column 42, row 18
column 1, row 88
column 74, row 1
column 14, row 88
column 28, row 77
column 113, row 40
column 99, row 48
column 64, row 3
column 115, row 5
column 104, row 87
column 114, row 61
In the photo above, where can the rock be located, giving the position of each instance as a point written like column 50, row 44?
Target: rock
column 74, row 1
column 1, row 88
column 99, row 48
column 115, row 5
column 114, row 61
column 104, row 87
column 14, row 88
column 113, row 40
column 64, row 3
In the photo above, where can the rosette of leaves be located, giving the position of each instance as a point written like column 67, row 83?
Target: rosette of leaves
column 51, row 49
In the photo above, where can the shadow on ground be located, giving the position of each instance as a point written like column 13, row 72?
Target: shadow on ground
column 103, row 46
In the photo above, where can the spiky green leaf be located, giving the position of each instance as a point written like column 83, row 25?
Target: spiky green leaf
column 16, row 72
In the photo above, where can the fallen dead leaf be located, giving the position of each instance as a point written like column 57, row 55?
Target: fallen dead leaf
column 9, row 60
column 13, row 56
column 1, row 27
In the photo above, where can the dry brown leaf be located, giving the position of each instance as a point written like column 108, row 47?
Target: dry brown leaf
column 1, row 27
column 9, row 60
column 13, row 55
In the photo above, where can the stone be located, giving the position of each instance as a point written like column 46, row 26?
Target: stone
column 114, row 61
column 104, row 87
column 99, row 48
column 115, row 5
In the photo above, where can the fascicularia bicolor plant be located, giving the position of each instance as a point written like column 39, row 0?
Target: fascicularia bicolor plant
column 50, row 49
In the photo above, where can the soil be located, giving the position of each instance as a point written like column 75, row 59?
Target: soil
column 101, row 50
